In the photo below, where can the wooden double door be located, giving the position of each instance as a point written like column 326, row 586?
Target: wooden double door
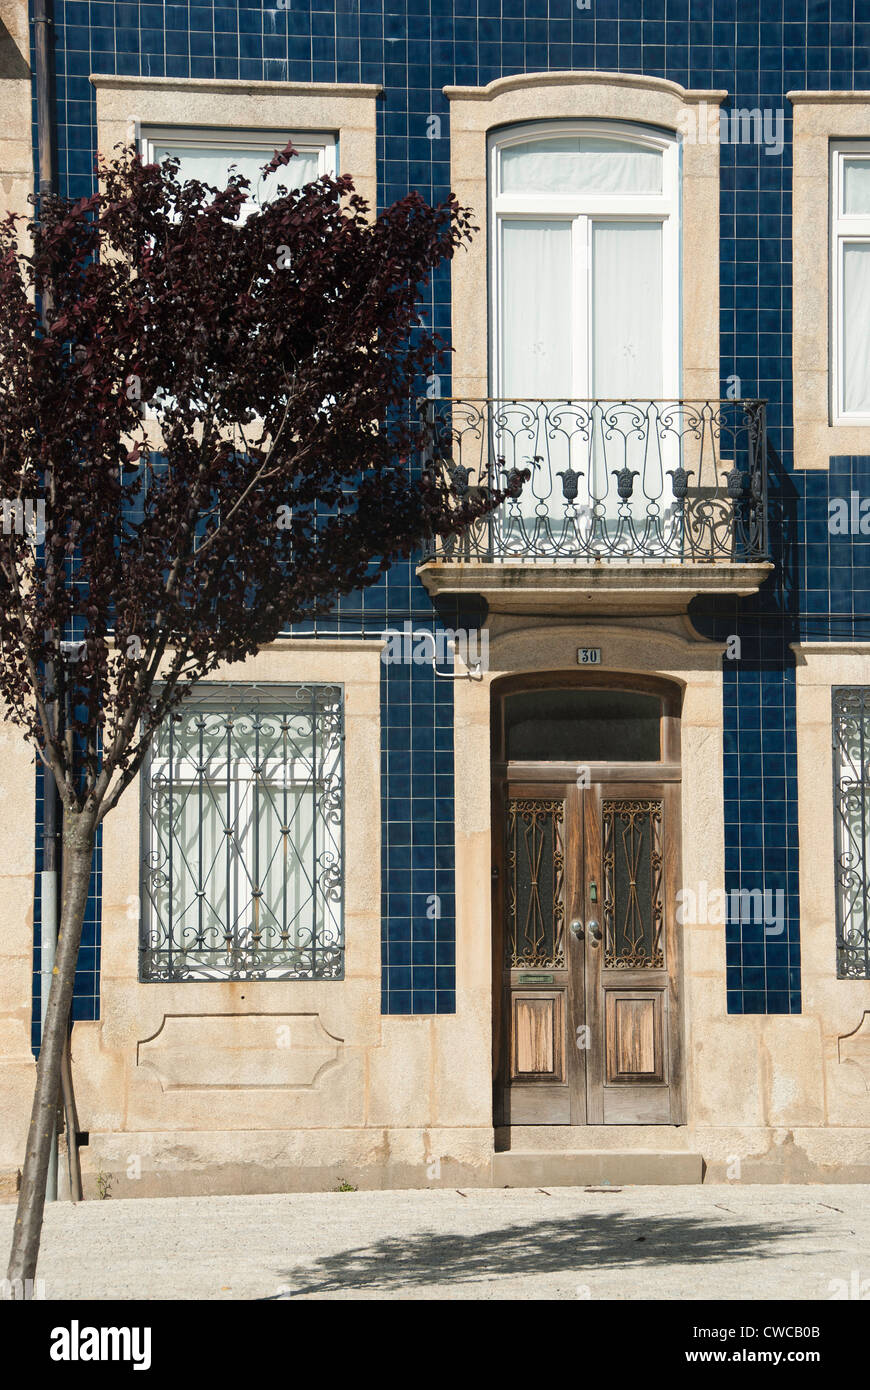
column 586, row 950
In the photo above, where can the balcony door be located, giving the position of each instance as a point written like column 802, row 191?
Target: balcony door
column 585, row 308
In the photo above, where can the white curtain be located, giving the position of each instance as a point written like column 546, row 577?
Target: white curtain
column 856, row 327
column 537, row 345
column 212, row 165
column 627, row 310
column 592, row 331
column 626, row 335
column 189, row 826
column 856, row 186
column 287, row 870
column 537, row 332
column 212, row 876
column 574, row 164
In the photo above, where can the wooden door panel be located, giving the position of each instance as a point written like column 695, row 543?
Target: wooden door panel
column 634, row 1043
column 538, row 1036
column 536, row 1105
column 637, row 1105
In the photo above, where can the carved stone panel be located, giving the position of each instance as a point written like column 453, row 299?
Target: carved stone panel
column 854, row 1048
column 238, row 1051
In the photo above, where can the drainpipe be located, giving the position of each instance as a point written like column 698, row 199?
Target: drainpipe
column 43, row 28
column 43, row 25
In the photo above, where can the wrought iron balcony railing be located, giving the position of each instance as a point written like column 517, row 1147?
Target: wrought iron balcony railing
column 609, row 480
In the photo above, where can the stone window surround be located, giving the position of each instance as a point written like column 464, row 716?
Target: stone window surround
column 819, row 668
column 347, row 109
column 16, row 132
column 355, row 664
column 838, row 1008
column 819, row 118
column 17, row 763
column 476, row 111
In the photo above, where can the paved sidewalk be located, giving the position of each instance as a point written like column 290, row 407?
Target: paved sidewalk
column 631, row 1243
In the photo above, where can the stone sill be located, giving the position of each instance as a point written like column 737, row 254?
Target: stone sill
column 581, row 587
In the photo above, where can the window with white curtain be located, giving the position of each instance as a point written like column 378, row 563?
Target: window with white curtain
column 208, row 155
column 850, row 281
column 585, row 304
column 242, row 837
column 585, row 264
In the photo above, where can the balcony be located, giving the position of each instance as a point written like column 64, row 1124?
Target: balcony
column 629, row 506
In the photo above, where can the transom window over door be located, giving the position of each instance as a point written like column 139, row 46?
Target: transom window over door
column 585, row 309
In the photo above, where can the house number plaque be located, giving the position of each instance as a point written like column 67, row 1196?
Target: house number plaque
column 588, row 656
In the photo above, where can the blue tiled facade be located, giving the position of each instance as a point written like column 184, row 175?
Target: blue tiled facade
column 414, row 48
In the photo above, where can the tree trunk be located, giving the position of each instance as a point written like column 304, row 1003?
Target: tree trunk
column 71, row 1124
column 79, row 833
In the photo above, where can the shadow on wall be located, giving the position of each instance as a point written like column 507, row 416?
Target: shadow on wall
column 12, row 62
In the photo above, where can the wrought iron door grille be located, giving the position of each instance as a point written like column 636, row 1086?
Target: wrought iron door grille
column 242, row 822
column 633, row 908
column 851, row 724
column 535, row 872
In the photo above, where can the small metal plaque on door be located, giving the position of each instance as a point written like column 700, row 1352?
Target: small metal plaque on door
column 536, row 979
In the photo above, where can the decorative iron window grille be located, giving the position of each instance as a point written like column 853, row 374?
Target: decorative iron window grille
column 242, row 821
column 851, row 725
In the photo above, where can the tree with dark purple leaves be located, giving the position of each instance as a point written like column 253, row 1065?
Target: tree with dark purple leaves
column 210, row 414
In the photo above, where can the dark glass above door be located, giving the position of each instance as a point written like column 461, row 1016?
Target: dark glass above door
column 582, row 725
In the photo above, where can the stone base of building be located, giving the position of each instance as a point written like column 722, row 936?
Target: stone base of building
column 221, row 1163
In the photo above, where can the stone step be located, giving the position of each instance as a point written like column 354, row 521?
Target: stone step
column 590, row 1168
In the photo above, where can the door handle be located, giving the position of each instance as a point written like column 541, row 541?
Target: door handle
column 577, row 928
column 594, row 930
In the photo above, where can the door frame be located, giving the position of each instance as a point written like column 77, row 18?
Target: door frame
column 541, row 774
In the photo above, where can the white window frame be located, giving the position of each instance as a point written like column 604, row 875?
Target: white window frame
column 321, row 143
column 846, row 229
column 581, row 209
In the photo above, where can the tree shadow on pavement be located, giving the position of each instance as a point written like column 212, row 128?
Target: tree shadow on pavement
column 587, row 1241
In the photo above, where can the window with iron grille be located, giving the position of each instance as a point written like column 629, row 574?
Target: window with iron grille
column 851, row 724
column 242, row 822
